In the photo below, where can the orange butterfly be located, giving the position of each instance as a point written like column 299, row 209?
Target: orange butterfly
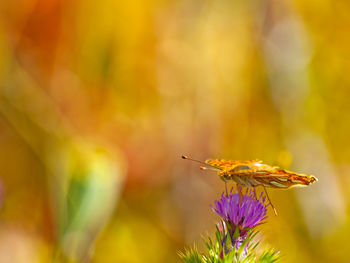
column 254, row 173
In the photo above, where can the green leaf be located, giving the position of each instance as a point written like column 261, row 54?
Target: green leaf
column 269, row 256
column 191, row 256
column 246, row 253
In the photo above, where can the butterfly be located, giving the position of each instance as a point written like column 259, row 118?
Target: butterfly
column 254, row 173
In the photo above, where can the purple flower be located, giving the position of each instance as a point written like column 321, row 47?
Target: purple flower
column 240, row 212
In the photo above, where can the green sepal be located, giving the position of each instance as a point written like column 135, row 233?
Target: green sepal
column 236, row 234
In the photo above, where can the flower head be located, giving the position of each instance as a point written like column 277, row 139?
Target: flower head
column 240, row 213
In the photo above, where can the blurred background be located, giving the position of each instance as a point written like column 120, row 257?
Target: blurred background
column 99, row 99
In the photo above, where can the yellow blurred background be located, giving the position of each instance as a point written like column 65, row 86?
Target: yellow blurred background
column 99, row 99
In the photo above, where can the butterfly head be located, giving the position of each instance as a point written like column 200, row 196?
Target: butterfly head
column 224, row 175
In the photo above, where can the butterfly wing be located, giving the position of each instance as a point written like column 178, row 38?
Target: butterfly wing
column 279, row 178
column 254, row 173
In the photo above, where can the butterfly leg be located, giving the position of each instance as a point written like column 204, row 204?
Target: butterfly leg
column 274, row 209
column 226, row 189
column 255, row 194
column 239, row 189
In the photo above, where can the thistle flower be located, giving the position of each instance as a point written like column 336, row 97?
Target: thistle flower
column 240, row 214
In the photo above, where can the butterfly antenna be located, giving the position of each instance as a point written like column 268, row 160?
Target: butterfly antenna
column 188, row 158
column 208, row 167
